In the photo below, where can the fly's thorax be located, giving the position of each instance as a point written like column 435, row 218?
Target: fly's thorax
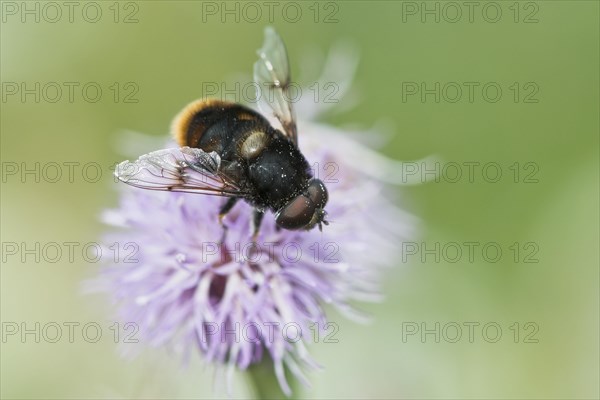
column 279, row 172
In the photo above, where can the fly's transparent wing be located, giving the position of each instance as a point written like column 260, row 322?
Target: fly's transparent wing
column 272, row 76
column 182, row 169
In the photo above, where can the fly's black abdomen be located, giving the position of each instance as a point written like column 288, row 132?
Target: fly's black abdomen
column 212, row 124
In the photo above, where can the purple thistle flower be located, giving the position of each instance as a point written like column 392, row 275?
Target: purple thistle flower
column 237, row 301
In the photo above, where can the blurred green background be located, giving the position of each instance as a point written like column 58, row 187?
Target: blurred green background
column 175, row 46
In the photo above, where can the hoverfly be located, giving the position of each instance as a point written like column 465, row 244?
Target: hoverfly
column 230, row 150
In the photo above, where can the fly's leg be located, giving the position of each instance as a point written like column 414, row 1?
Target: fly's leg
column 225, row 208
column 257, row 218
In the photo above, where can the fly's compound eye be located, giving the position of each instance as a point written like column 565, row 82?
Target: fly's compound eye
column 317, row 192
column 297, row 214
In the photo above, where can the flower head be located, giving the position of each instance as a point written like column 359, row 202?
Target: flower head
column 237, row 300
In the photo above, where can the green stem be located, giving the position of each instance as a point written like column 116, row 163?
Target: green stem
column 264, row 382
